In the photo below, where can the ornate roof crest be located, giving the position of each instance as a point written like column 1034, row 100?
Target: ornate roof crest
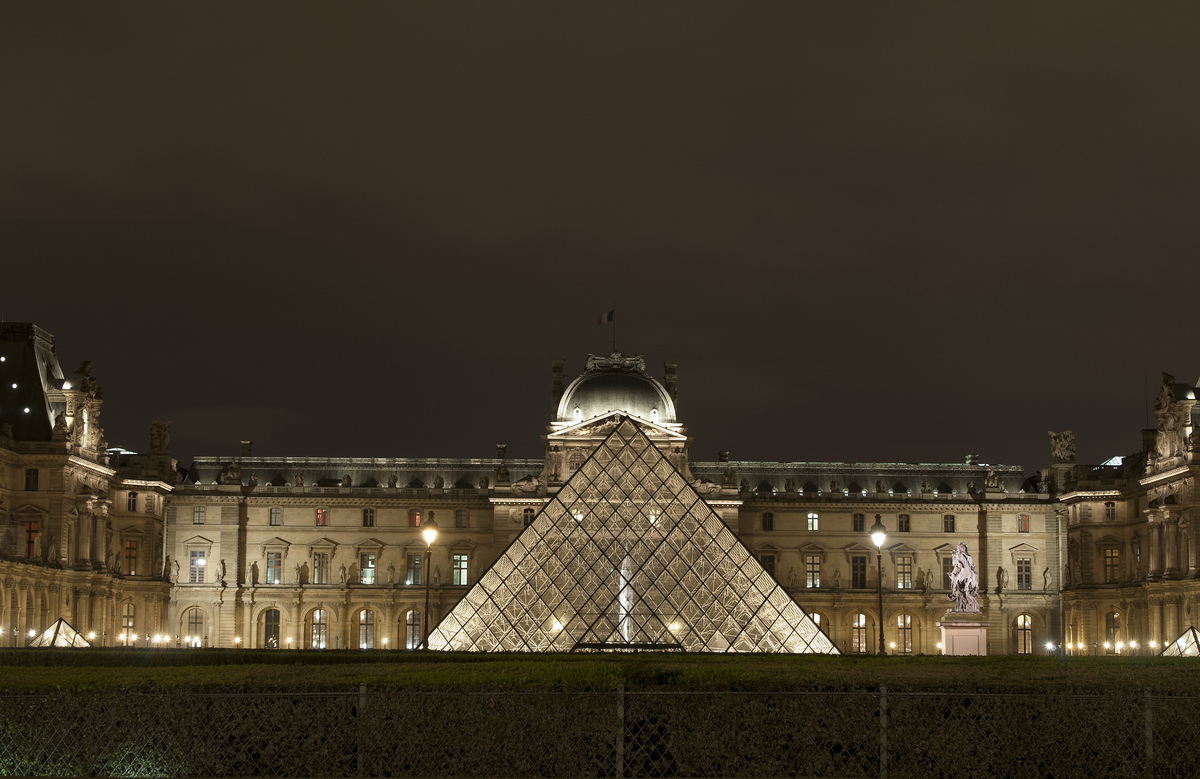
column 615, row 363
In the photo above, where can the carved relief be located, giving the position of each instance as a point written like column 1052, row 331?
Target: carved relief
column 1062, row 446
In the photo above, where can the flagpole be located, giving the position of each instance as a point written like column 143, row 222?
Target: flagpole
column 614, row 327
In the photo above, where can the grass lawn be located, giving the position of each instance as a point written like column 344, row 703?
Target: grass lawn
column 265, row 670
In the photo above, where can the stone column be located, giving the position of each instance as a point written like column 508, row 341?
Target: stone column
column 1153, row 561
column 1155, row 621
column 98, row 541
column 83, row 538
column 1171, row 618
column 1170, row 531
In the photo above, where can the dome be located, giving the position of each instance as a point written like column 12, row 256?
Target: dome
column 624, row 387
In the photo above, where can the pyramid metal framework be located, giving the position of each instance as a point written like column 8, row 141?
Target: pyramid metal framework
column 1187, row 645
column 59, row 634
column 628, row 556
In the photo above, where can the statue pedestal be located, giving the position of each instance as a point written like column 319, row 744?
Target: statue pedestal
column 964, row 634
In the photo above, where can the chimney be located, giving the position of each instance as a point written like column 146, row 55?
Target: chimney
column 247, row 446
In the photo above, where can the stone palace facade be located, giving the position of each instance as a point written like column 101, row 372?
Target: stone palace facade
column 306, row 552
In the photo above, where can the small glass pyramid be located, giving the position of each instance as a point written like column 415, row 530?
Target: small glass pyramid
column 1187, row 645
column 59, row 634
column 627, row 556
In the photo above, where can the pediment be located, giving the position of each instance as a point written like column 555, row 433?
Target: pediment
column 198, row 540
column 855, row 549
column 369, row 543
column 813, row 549
column 1031, row 549
column 767, row 548
column 272, row 543
column 134, row 531
column 323, row 543
column 601, row 426
column 462, row 543
column 29, row 509
column 943, row 550
column 901, row 548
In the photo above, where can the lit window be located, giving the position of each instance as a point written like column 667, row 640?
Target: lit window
column 1112, row 631
column 31, row 531
column 196, row 569
column 274, row 564
column 1024, row 573
column 276, row 517
column 812, row 570
column 462, row 518
column 903, row 524
column 904, row 572
column 1022, row 523
column 131, row 558
column 858, row 572
column 198, row 515
column 768, row 563
column 412, row 630
column 768, row 521
column 904, row 634
column 320, row 629
column 527, row 517
column 1112, row 565
column 414, row 517
column 366, row 568
column 948, row 523
column 858, row 633
column 812, row 520
column 271, row 629
column 320, row 568
column 1110, row 512
column 1024, row 634
column 127, row 614
column 575, row 460
column 460, row 568
column 858, row 523
column 414, row 569
column 368, row 517
column 31, row 479
column 195, row 623
column 322, row 517
column 131, row 504
column 366, row 629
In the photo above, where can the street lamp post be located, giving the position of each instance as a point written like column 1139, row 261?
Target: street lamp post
column 429, row 529
column 879, row 536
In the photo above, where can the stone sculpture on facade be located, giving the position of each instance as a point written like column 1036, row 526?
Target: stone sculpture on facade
column 393, row 480
column 437, row 575
column 231, row 473
column 792, row 577
column 1062, row 446
column 438, row 482
column 347, row 481
column 1001, row 579
column 60, row 426
column 992, row 480
column 160, row 437
column 964, row 582
column 837, row 578
column 729, row 478
column 299, row 479
column 391, row 574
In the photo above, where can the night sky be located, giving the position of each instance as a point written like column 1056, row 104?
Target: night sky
column 864, row 233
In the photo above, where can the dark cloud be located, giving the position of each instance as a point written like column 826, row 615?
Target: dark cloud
column 902, row 234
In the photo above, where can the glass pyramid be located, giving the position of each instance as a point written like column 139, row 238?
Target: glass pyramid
column 1187, row 645
column 627, row 556
column 59, row 634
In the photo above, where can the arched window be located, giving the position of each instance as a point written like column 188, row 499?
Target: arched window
column 412, row 630
column 198, row 515
column 904, row 634
column 1024, row 634
column 195, row 627
column 270, row 634
column 1112, row 631
column 768, row 521
column 127, row 613
column 320, row 629
column 858, row 633
column 528, row 516
column 575, row 460
column 414, row 517
column 366, row 629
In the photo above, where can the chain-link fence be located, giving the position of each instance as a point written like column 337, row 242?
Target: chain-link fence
column 606, row 734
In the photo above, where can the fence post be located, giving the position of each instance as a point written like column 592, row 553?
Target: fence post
column 620, row 760
column 362, row 735
column 1148, row 716
column 883, row 723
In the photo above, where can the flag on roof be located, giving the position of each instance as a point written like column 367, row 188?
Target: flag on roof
column 607, row 317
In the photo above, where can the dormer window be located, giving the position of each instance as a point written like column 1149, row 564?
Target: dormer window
column 578, row 414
